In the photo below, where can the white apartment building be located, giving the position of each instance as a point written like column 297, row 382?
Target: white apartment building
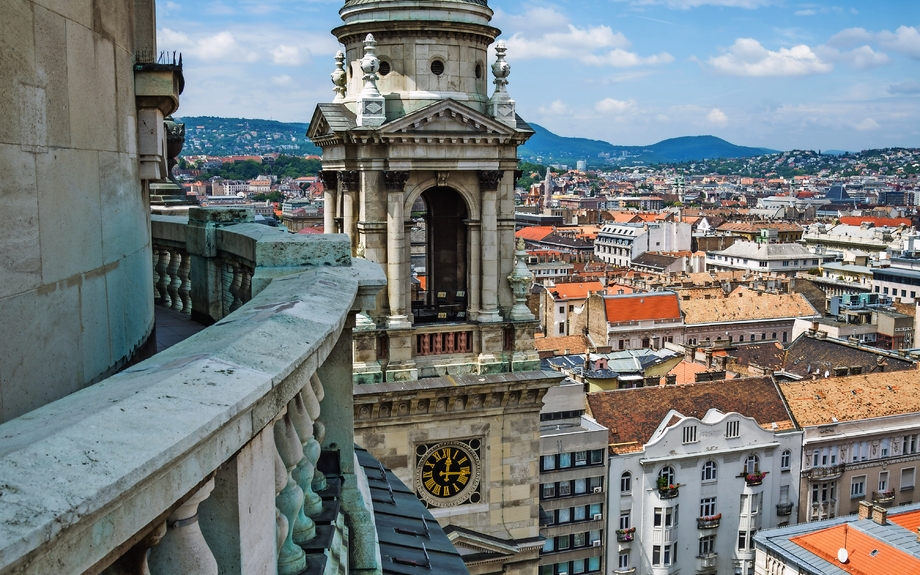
column 619, row 244
column 786, row 259
column 691, row 485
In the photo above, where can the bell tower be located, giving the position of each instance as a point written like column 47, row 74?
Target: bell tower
column 419, row 168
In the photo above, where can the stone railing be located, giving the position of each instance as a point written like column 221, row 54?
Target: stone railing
column 221, row 259
column 231, row 452
column 825, row 473
column 439, row 343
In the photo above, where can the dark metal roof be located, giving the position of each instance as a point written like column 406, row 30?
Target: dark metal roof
column 411, row 540
column 421, row 2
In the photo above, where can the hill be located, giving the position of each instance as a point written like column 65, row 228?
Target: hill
column 240, row 136
column 552, row 147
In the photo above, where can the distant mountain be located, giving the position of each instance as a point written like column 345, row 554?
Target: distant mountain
column 552, row 147
column 239, row 136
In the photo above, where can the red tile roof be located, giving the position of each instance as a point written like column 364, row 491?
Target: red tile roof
column 574, row 290
column 639, row 307
column 877, row 222
column 534, row 233
column 867, row 555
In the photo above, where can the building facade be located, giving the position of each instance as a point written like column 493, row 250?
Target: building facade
column 688, row 493
column 619, row 244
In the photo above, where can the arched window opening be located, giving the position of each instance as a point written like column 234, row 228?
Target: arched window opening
column 439, row 256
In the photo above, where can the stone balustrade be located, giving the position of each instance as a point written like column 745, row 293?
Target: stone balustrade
column 208, row 457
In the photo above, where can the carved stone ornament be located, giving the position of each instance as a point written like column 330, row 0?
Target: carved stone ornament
column 339, row 77
column 520, row 279
column 370, row 101
column 330, row 179
column 442, row 178
column 349, row 180
column 489, row 180
column 395, row 181
column 501, row 106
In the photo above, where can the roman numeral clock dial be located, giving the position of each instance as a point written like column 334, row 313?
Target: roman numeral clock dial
column 448, row 473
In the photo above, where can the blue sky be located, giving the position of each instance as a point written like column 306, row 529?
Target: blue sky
column 772, row 73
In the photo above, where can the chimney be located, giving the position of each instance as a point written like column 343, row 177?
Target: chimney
column 865, row 509
column 708, row 357
column 879, row 515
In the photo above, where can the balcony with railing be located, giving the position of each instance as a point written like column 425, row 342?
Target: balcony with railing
column 825, row 473
column 231, row 451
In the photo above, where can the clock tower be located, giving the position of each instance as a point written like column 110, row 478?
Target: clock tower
column 419, row 160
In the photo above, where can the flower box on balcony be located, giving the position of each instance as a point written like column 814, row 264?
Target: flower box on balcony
column 883, row 497
column 626, row 535
column 669, row 491
column 710, row 522
column 755, row 478
column 784, row 508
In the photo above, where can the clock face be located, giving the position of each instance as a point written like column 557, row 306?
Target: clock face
column 448, row 473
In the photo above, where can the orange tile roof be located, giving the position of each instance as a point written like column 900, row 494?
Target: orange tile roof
column 638, row 307
column 686, row 371
column 867, row 555
column 574, row 290
column 909, row 520
column 534, row 233
column 877, row 222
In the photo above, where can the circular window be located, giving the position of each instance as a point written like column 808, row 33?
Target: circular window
column 478, row 71
column 437, row 67
column 384, row 68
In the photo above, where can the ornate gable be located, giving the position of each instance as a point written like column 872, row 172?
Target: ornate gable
column 446, row 117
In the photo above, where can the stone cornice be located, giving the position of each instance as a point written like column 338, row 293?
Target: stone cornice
column 353, row 35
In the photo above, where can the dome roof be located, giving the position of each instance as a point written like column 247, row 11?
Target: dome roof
column 360, row 2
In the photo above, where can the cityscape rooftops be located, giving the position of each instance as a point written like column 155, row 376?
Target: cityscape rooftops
column 633, row 415
column 746, row 305
column 762, row 251
column 642, row 306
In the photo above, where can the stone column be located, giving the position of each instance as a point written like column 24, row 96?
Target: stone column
column 505, row 239
column 330, row 196
column 239, row 516
column 475, row 252
column 488, row 187
column 349, row 186
column 397, row 266
column 407, row 269
column 183, row 548
column 134, row 561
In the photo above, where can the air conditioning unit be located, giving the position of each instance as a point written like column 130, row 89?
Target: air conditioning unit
column 598, row 489
column 598, row 516
column 596, row 543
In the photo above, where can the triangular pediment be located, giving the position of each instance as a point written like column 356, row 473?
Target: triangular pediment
column 446, row 117
column 330, row 119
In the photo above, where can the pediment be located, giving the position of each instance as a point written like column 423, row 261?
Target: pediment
column 330, row 119
column 446, row 117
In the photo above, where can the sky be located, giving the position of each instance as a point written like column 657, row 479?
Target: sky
column 780, row 74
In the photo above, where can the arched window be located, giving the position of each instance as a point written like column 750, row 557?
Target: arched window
column 626, row 482
column 741, row 337
column 752, row 464
column 710, row 471
column 666, row 476
column 785, row 460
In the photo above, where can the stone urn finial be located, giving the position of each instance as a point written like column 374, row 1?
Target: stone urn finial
column 520, row 279
column 371, row 105
column 339, row 77
column 501, row 106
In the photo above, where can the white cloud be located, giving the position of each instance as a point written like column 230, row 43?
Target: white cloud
column 909, row 87
column 866, row 125
column 220, row 46
column 905, row 40
column 746, row 57
column 717, row 117
column 615, row 106
column 557, row 108
column 688, row 4
column 806, row 12
column 594, row 45
column 864, row 57
column 286, row 55
column 282, row 80
column 850, row 37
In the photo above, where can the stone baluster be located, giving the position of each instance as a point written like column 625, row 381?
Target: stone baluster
column 304, row 528
column 291, row 558
column 162, row 278
column 236, row 279
column 134, row 561
column 319, row 431
column 175, row 258
column 185, row 284
column 245, row 284
column 281, row 522
column 306, row 408
column 183, row 548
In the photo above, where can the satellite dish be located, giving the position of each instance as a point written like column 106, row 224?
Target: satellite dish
column 842, row 555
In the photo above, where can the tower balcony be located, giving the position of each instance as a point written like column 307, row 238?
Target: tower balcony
column 231, row 451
